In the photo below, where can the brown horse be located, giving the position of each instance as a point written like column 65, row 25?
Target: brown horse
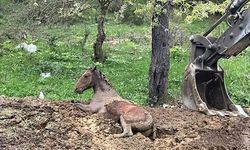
column 106, row 99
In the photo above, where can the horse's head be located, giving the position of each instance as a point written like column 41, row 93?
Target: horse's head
column 86, row 81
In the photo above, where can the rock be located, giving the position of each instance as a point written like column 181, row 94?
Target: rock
column 41, row 95
column 31, row 48
column 247, row 110
column 241, row 111
column 167, row 106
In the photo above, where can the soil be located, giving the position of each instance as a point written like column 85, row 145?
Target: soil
column 27, row 123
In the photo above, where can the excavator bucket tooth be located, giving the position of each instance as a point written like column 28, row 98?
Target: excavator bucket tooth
column 204, row 91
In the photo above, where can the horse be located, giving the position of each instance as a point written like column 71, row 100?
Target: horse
column 106, row 100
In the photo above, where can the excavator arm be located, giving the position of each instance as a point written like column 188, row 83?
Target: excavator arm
column 203, row 85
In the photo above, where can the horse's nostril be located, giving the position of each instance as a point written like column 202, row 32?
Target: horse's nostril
column 78, row 90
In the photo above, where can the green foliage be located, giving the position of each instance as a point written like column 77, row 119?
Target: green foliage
column 126, row 67
column 139, row 12
column 178, row 53
column 198, row 10
column 131, row 11
column 115, row 5
column 7, row 47
column 31, row 12
column 84, row 10
column 136, row 12
column 237, row 78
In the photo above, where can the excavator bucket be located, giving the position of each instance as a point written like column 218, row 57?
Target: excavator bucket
column 204, row 91
column 203, row 84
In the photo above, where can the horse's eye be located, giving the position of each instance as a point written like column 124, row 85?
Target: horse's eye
column 85, row 76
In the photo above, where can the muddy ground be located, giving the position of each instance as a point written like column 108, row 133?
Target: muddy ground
column 35, row 124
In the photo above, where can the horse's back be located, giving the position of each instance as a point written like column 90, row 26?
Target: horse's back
column 130, row 112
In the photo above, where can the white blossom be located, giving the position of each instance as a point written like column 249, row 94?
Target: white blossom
column 45, row 74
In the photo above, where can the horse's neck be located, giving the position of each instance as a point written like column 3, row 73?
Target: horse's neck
column 109, row 92
column 106, row 95
column 102, row 86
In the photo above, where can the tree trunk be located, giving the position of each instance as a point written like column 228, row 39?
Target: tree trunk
column 98, row 52
column 99, row 55
column 158, row 71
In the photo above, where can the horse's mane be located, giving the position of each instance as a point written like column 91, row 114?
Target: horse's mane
column 103, row 77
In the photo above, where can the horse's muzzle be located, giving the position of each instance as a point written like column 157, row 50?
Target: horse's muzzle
column 78, row 90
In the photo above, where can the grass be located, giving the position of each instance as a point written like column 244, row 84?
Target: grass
column 128, row 48
column 237, row 77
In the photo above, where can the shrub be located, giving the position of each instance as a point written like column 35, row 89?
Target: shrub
column 54, row 11
column 178, row 53
column 178, row 36
column 136, row 13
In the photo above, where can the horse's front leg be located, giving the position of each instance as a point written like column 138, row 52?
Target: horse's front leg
column 127, row 129
column 86, row 107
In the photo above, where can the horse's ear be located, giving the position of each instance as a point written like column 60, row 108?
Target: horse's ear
column 94, row 69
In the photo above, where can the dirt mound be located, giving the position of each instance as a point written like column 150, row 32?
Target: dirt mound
column 33, row 124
